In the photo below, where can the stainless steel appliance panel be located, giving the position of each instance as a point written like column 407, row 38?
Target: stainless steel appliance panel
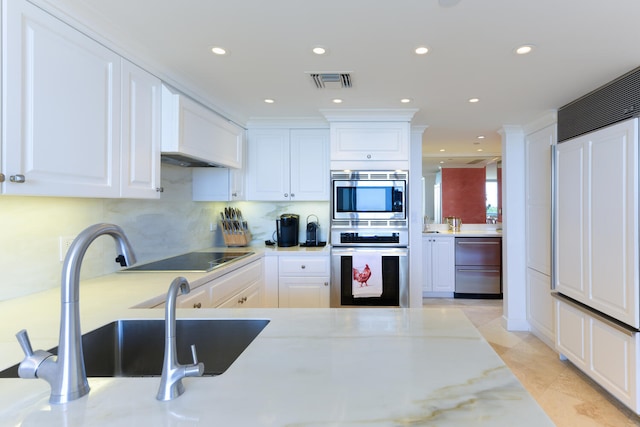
column 478, row 250
column 478, row 267
column 478, row 280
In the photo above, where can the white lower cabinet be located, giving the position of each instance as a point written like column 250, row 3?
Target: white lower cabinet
column 303, row 281
column 438, row 266
column 605, row 351
column 540, row 305
column 243, row 287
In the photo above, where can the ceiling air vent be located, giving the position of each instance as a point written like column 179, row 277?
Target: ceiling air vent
column 331, row 80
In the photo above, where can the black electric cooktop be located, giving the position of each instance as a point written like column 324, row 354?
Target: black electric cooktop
column 192, row 261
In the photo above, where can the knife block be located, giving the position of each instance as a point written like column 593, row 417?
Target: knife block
column 236, row 238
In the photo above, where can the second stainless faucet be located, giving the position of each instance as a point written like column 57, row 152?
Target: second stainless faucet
column 172, row 372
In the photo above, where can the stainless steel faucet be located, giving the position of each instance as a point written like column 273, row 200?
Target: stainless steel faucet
column 172, row 372
column 66, row 374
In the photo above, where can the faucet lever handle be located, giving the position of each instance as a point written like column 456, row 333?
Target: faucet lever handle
column 197, row 369
column 194, row 354
column 25, row 343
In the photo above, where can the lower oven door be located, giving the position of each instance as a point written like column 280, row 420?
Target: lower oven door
column 369, row 276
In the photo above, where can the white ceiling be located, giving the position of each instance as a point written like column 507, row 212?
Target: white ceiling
column 579, row 45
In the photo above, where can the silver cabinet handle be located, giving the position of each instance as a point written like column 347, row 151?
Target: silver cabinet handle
column 197, row 305
column 1, row 177
column 293, row 195
column 18, row 179
column 160, row 189
column 326, row 283
column 286, row 195
column 303, row 266
column 478, row 243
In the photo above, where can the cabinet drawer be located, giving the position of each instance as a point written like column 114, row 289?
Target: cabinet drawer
column 304, row 266
column 226, row 286
column 478, row 280
column 478, row 250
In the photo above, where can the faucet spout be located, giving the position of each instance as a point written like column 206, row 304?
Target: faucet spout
column 66, row 374
column 172, row 372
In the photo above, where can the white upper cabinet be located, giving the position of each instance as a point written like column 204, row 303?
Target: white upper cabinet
column 597, row 220
column 370, row 141
column 191, row 129
column 140, row 154
column 62, row 108
column 288, row 164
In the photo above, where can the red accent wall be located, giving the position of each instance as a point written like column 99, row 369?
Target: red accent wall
column 463, row 194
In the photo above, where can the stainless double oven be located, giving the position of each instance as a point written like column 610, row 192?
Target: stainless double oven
column 369, row 239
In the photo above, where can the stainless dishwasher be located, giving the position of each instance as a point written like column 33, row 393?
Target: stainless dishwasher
column 478, row 267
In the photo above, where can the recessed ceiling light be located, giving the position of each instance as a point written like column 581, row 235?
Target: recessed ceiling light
column 442, row 150
column 441, row 162
column 218, row 50
column 337, row 101
column 474, row 100
column 269, row 101
column 319, row 50
column 422, row 50
column 406, row 100
column 479, row 149
column 481, row 137
column 524, row 49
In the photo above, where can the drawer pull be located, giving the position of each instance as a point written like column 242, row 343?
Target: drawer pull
column 303, row 266
column 197, row 305
column 471, row 270
column 478, row 243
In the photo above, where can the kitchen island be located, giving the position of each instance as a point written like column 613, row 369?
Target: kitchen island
column 360, row 366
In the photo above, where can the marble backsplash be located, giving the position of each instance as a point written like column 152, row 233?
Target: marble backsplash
column 31, row 227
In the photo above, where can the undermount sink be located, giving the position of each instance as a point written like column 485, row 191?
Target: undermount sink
column 135, row 348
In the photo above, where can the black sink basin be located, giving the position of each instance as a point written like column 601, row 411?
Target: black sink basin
column 135, row 348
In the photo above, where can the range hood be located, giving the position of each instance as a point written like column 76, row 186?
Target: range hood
column 184, row 160
column 196, row 136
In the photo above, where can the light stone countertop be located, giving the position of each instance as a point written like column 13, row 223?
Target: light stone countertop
column 312, row 367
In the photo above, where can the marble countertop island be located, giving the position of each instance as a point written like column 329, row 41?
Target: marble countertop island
column 308, row 367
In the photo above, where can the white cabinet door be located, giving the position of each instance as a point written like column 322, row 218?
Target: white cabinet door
column 268, row 168
column 612, row 206
column 303, row 281
column 140, row 153
column 540, row 312
column 309, row 164
column 62, row 116
column 220, row 184
column 538, row 198
column 597, row 238
column 370, row 141
column 438, row 254
column 304, row 292
column 288, row 164
column 602, row 349
column 570, row 194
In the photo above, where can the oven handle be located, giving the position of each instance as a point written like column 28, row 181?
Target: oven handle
column 385, row 251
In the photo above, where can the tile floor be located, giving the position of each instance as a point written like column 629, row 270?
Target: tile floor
column 569, row 397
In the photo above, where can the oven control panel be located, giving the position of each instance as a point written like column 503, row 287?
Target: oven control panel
column 369, row 238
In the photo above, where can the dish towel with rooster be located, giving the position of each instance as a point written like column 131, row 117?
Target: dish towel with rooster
column 367, row 275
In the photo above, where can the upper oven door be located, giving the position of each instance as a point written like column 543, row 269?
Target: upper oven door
column 369, row 199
